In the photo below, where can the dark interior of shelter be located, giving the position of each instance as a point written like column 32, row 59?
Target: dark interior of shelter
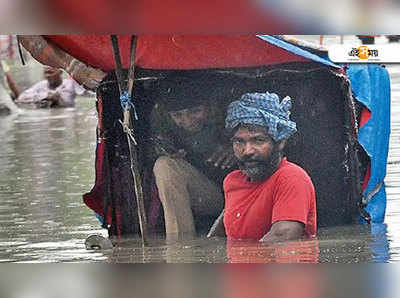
column 325, row 144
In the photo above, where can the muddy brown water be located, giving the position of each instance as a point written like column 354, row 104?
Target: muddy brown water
column 47, row 163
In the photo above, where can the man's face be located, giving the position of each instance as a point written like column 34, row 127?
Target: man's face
column 258, row 155
column 52, row 75
column 192, row 119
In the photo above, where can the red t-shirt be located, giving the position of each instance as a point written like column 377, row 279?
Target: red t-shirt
column 252, row 207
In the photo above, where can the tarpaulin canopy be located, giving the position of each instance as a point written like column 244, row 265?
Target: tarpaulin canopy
column 179, row 51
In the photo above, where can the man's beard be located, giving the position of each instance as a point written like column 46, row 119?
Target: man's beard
column 260, row 169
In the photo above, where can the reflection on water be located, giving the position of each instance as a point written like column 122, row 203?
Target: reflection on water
column 47, row 163
column 287, row 281
column 349, row 244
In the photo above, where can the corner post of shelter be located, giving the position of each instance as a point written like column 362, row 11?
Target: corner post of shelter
column 351, row 131
column 113, row 196
column 100, row 198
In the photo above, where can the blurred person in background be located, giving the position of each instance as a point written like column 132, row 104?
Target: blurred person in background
column 4, row 110
column 52, row 92
column 367, row 39
column 393, row 38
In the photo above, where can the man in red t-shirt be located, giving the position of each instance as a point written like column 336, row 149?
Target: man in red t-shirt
column 268, row 198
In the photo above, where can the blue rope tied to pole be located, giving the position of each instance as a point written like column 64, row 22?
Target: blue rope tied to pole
column 127, row 104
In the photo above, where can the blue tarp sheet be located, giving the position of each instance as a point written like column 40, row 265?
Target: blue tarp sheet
column 276, row 41
column 371, row 86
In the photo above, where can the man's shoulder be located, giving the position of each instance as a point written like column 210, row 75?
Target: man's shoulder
column 68, row 83
column 40, row 84
column 234, row 176
column 292, row 170
column 293, row 175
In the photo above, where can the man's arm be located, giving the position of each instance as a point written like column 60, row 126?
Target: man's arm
column 34, row 94
column 223, row 156
column 283, row 231
column 218, row 228
column 162, row 139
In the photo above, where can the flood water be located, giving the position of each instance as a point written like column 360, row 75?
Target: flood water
column 47, row 163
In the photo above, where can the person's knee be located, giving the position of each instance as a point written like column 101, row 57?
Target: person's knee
column 171, row 181
column 165, row 167
column 162, row 163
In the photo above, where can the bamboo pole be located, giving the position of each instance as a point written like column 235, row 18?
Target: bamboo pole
column 127, row 125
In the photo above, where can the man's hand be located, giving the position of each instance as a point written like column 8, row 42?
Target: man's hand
column 85, row 75
column 283, row 231
column 164, row 146
column 54, row 99
column 53, row 96
column 223, row 157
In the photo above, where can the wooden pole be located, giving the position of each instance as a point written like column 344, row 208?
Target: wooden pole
column 132, row 148
column 127, row 125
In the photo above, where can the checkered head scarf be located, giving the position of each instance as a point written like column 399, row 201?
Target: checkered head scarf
column 264, row 109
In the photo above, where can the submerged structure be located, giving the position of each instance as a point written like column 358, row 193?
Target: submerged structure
column 342, row 114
